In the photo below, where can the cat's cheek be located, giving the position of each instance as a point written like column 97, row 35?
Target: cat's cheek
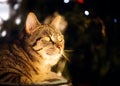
column 52, row 51
column 49, row 59
column 49, row 52
column 38, row 46
column 52, row 60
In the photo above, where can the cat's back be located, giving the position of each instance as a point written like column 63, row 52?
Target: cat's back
column 4, row 47
column 6, row 50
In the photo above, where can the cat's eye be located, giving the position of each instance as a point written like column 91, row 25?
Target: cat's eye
column 46, row 38
column 60, row 38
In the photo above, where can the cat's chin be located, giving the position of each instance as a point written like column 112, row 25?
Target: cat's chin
column 51, row 59
column 53, row 55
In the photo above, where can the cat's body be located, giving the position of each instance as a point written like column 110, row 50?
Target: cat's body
column 30, row 57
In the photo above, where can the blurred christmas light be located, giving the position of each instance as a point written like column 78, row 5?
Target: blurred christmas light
column 16, row 6
column 3, row 1
column 115, row 20
column 80, row 1
column 4, row 33
column 18, row 20
column 4, row 11
column 66, row 1
column 86, row 12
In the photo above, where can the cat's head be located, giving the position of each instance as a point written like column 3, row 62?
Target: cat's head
column 46, row 40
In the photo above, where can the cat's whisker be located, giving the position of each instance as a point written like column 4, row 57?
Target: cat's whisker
column 69, row 50
column 64, row 55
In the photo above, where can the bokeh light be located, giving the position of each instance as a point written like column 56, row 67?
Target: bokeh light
column 66, row 1
column 18, row 20
column 86, row 12
column 115, row 20
column 3, row 33
column 4, row 11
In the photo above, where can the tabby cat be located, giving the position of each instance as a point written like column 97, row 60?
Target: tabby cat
column 29, row 58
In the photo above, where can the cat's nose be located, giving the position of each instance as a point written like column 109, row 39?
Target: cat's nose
column 59, row 46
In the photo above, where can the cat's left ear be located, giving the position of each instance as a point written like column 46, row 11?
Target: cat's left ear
column 31, row 23
column 59, row 23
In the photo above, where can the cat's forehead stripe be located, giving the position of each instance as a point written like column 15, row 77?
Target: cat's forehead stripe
column 48, row 30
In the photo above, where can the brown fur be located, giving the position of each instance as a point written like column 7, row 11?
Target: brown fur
column 29, row 59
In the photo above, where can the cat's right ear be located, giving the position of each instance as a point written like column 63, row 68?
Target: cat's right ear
column 59, row 22
column 31, row 23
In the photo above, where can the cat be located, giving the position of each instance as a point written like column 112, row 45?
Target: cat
column 60, row 68
column 30, row 57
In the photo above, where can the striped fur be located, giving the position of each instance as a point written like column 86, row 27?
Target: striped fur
column 29, row 59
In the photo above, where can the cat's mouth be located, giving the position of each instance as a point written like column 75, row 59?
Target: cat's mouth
column 51, row 51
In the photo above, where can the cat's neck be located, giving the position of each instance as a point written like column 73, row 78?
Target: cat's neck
column 31, row 56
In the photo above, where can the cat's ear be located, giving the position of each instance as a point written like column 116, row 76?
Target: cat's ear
column 56, row 21
column 59, row 22
column 31, row 23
